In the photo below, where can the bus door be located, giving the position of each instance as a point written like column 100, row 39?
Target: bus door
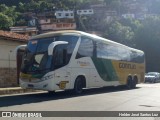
column 62, row 78
column 60, row 64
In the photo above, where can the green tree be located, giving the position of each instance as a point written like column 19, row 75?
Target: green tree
column 21, row 7
column 8, row 16
column 3, row 7
column 11, row 12
column 147, row 39
column 5, row 22
column 133, row 23
column 119, row 33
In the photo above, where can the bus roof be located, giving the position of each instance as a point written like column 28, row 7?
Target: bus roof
column 80, row 33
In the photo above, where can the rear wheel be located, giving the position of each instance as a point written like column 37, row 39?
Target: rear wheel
column 134, row 82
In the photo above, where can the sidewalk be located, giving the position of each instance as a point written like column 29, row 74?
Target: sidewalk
column 14, row 90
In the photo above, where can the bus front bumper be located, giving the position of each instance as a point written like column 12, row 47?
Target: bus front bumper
column 47, row 85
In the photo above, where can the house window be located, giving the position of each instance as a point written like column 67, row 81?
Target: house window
column 59, row 14
column 67, row 14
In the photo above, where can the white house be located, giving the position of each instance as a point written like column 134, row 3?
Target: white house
column 85, row 12
column 64, row 14
column 8, row 42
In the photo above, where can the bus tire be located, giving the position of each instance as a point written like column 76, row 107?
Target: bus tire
column 129, row 83
column 134, row 82
column 78, row 86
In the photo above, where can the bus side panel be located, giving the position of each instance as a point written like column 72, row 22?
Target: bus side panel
column 86, row 67
column 112, row 70
column 105, row 69
column 124, row 69
column 82, row 67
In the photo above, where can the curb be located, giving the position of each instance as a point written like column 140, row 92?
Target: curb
column 17, row 90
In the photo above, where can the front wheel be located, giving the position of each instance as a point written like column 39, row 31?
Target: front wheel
column 78, row 86
column 129, row 83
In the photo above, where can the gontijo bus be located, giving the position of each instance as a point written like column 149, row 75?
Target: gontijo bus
column 65, row 60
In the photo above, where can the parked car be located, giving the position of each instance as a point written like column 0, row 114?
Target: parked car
column 152, row 77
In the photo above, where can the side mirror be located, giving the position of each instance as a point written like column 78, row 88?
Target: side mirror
column 53, row 45
column 18, row 48
column 19, row 59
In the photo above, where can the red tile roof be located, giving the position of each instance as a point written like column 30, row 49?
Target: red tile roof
column 14, row 36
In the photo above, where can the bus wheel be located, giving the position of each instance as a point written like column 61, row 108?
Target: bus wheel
column 129, row 83
column 134, row 82
column 78, row 86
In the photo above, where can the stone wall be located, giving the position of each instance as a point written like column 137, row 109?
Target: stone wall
column 8, row 77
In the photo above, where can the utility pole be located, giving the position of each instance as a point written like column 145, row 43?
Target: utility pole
column 76, row 16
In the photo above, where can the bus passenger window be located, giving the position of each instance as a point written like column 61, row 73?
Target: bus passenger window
column 107, row 51
column 124, row 54
column 85, row 49
column 59, row 59
column 102, row 51
column 137, row 57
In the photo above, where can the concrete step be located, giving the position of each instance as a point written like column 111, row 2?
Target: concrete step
column 15, row 90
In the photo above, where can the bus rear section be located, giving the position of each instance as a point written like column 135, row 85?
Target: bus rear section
column 119, row 64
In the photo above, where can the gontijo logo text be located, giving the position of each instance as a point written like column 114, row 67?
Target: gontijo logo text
column 127, row 66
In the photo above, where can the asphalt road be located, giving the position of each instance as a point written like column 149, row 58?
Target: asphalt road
column 146, row 97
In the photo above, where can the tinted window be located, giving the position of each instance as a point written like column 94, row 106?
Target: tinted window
column 86, row 48
column 63, row 53
column 102, row 51
column 137, row 57
column 59, row 56
column 124, row 54
column 131, row 56
column 38, row 53
column 32, row 45
column 72, row 40
column 113, row 52
column 107, row 51
column 41, row 45
column 44, row 43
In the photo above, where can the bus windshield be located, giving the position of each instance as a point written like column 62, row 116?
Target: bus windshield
column 37, row 60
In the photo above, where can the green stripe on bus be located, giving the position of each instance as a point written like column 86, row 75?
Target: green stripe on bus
column 105, row 69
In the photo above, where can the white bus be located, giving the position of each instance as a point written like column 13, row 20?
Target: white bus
column 73, row 60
